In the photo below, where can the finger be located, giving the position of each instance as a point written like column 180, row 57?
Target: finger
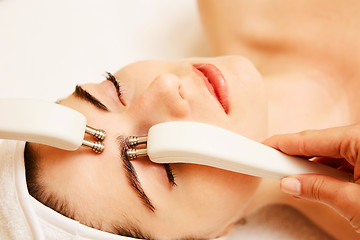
column 331, row 162
column 347, row 169
column 338, row 163
column 334, row 162
column 326, row 142
column 342, row 196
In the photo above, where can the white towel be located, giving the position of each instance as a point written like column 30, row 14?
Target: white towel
column 23, row 217
column 280, row 222
column 13, row 223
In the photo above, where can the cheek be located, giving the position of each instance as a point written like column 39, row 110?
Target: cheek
column 206, row 200
column 249, row 107
column 212, row 192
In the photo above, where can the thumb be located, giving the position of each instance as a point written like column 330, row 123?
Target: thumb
column 342, row 196
column 313, row 187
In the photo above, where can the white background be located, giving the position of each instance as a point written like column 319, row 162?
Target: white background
column 48, row 46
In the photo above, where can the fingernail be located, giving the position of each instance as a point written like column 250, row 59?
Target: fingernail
column 291, row 186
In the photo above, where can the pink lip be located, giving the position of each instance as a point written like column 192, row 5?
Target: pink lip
column 215, row 83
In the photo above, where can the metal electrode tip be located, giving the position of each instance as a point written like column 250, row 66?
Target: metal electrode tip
column 97, row 147
column 133, row 153
column 97, row 133
column 133, row 141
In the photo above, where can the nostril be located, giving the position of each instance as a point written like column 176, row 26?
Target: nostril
column 181, row 93
column 168, row 85
column 172, row 95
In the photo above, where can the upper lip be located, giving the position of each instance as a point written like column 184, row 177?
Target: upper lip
column 218, row 86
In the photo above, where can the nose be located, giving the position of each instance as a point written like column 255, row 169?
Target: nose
column 162, row 101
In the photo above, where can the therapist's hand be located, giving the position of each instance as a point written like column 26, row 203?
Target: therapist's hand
column 338, row 147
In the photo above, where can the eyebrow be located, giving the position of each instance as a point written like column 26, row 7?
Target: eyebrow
column 132, row 176
column 85, row 95
column 130, row 170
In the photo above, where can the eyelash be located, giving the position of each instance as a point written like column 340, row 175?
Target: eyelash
column 170, row 174
column 168, row 168
column 117, row 85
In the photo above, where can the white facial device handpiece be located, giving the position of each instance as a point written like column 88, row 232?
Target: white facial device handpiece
column 47, row 123
column 199, row 143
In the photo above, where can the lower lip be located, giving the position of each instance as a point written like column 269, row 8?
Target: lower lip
column 211, row 74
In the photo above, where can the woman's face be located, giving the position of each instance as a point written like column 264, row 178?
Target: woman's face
column 204, row 202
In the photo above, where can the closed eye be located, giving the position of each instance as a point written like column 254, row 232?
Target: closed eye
column 117, row 86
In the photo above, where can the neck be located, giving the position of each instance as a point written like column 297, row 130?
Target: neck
column 308, row 96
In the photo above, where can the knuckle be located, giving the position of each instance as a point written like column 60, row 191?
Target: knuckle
column 316, row 189
column 303, row 142
column 302, row 146
column 349, row 148
column 307, row 132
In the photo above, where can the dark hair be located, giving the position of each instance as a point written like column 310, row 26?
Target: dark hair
column 37, row 188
